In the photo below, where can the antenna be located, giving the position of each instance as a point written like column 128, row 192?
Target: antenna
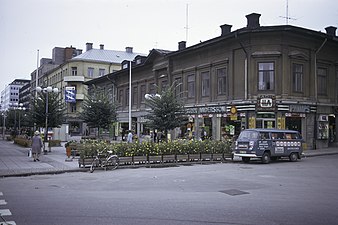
column 186, row 23
column 287, row 18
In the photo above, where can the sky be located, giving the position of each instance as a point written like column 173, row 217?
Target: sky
column 29, row 26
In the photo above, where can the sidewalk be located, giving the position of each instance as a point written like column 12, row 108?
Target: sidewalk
column 14, row 160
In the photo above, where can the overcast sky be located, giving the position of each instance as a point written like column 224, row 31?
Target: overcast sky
column 29, row 25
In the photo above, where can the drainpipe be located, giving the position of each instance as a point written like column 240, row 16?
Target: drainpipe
column 245, row 68
column 316, row 94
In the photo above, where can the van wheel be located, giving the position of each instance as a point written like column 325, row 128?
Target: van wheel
column 266, row 158
column 293, row 157
column 246, row 159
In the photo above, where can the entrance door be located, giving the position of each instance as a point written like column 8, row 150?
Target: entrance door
column 265, row 123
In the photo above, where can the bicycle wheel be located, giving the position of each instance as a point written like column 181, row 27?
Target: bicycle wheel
column 94, row 164
column 112, row 163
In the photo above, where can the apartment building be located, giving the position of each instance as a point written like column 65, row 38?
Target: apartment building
column 255, row 77
column 69, row 78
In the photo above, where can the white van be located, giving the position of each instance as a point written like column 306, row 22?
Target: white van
column 268, row 144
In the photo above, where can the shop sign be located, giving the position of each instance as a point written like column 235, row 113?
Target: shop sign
column 206, row 110
column 299, row 108
column 266, row 103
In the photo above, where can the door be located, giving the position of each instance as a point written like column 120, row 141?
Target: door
column 266, row 123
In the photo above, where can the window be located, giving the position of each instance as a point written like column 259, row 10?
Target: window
column 120, row 96
column 191, row 86
column 205, row 84
column 143, row 92
column 221, row 81
column 164, row 84
column 127, row 97
column 90, row 72
column 134, row 96
column 74, row 71
column 178, row 87
column 152, row 90
column 297, row 70
column 101, row 72
column 266, row 75
column 322, row 81
column 73, row 108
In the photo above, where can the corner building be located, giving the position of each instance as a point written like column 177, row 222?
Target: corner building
column 282, row 77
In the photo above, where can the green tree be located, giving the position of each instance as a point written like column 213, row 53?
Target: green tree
column 167, row 110
column 98, row 111
column 37, row 112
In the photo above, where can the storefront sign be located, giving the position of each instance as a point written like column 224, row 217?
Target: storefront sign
column 266, row 103
column 206, row 110
column 300, row 108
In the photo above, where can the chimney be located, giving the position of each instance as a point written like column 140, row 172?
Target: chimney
column 78, row 51
column 101, row 46
column 226, row 29
column 253, row 20
column 331, row 31
column 181, row 45
column 89, row 46
column 129, row 49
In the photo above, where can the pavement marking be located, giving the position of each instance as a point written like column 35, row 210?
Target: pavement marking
column 3, row 202
column 8, row 223
column 1, row 194
column 5, row 212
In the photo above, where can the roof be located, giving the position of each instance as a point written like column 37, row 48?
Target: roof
column 102, row 55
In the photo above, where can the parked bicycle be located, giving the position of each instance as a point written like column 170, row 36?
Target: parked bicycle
column 107, row 161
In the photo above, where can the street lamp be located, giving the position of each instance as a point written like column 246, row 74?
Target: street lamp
column 14, row 106
column 46, row 90
column 4, row 125
column 20, row 108
column 129, row 116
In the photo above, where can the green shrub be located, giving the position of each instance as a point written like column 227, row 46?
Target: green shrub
column 54, row 143
column 23, row 142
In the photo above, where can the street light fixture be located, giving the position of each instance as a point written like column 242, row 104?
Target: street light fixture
column 20, row 108
column 46, row 90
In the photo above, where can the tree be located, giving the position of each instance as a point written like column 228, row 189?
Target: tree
column 98, row 110
column 37, row 112
column 167, row 110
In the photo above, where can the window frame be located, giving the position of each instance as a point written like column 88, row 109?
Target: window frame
column 191, row 86
column 297, row 78
column 205, row 84
column 267, row 85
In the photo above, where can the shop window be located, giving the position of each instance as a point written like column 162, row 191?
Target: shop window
column 221, row 81
column 191, row 86
column 297, row 70
column 266, row 76
column 205, row 84
column 322, row 81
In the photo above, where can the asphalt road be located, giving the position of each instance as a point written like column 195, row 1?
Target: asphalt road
column 285, row 193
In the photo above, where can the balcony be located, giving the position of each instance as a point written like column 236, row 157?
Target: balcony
column 74, row 79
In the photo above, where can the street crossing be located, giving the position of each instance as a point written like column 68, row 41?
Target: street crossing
column 4, row 212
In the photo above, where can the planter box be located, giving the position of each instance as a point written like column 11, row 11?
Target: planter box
column 139, row 159
column 206, row 156
column 155, row 159
column 128, row 160
column 182, row 158
column 194, row 157
column 217, row 157
column 169, row 158
column 84, row 162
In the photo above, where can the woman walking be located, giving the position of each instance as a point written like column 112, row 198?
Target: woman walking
column 36, row 146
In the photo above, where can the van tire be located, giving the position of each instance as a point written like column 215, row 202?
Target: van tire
column 266, row 158
column 246, row 159
column 293, row 157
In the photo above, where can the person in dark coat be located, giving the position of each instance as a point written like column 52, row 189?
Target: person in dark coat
column 36, row 146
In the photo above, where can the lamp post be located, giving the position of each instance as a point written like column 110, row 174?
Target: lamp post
column 46, row 90
column 20, row 108
column 14, row 106
column 129, row 116
column 3, row 125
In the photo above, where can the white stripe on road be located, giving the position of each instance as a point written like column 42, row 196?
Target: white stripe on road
column 3, row 202
column 8, row 223
column 5, row 212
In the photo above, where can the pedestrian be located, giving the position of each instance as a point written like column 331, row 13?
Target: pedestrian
column 130, row 137
column 36, row 146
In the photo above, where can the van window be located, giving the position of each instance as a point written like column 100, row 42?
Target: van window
column 248, row 135
column 264, row 135
column 277, row 135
